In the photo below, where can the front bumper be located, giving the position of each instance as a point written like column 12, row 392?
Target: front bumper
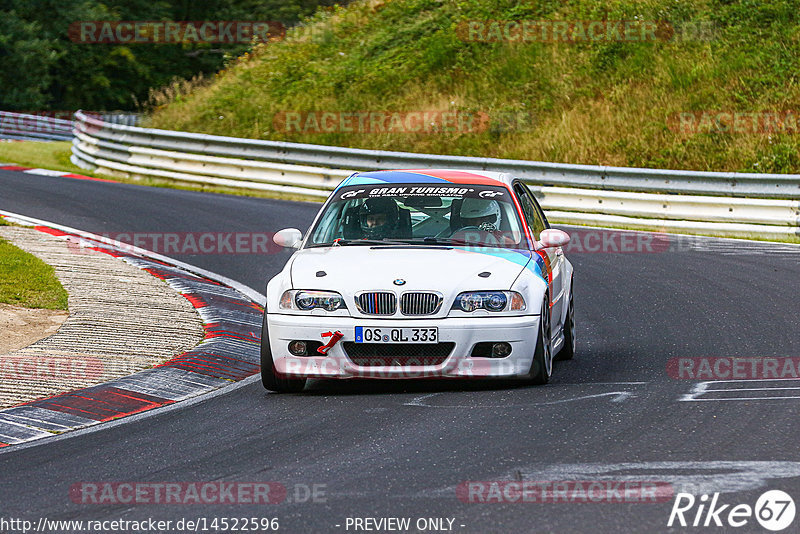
column 520, row 332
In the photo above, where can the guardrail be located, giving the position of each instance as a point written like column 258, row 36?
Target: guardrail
column 24, row 127
column 33, row 127
column 707, row 202
column 121, row 117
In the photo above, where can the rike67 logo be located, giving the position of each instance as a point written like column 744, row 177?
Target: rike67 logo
column 774, row 510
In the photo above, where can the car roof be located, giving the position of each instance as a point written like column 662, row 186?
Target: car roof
column 429, row 176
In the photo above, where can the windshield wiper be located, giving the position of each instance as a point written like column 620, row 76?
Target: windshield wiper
column 346, row 242
column 449, row 241
column 436, row 241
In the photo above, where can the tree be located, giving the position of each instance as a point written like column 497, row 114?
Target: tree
column 44, row 69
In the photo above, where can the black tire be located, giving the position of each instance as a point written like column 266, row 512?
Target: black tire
column 567, row 352
column 270, row 378
column 542, row 364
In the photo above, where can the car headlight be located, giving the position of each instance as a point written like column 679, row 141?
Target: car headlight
column 308, row 300
column 493, row 301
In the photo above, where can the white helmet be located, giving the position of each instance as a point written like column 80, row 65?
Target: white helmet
column 480, row 212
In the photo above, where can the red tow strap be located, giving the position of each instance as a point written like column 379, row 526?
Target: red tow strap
column 334, row 338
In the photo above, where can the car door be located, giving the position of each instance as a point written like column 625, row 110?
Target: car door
column 554, row 257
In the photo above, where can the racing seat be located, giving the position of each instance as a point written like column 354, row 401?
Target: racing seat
column 351, row 229
column 404, row 224
column 455, row 215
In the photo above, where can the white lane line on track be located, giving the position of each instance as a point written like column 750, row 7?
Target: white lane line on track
column 704, row 391
column 712, row 476
column 619, row 396
column 46, row 172
column 600, row 384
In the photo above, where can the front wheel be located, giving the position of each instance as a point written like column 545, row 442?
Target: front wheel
column 270, row 378
column 542, row 364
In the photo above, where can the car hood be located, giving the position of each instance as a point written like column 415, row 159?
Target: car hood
column 350, row 269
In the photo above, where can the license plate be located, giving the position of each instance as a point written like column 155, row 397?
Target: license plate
column 368, row 334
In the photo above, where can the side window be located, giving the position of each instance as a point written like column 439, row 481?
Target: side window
column 532, row 217
column 537, row 208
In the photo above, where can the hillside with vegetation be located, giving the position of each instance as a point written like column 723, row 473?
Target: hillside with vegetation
column 47, row 67
column 610, row 101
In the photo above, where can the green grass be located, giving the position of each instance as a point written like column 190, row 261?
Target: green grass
column 605, row 103
column 46, row 155
column 27, row 281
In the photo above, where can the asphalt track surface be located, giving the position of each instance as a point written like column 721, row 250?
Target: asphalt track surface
column 399, row 449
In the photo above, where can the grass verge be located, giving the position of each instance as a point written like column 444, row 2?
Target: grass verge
column 39, row 154
column 27, row 281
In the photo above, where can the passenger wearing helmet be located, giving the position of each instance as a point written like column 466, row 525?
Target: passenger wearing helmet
column 480, row 213
column 378, row 218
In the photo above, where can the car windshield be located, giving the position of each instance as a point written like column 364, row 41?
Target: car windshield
column 419, row 214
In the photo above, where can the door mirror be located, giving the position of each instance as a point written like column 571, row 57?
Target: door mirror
column 552, row 238
column 288, row 238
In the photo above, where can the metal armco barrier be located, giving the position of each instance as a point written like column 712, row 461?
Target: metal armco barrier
column 28, row 127
column 707, row 202
column 25, row 127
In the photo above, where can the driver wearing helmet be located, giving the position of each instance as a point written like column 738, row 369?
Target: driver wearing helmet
column 378, row 218
column 480, row 213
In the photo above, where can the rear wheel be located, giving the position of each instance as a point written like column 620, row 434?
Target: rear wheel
column 567, row 352
column 271, row 379
column 542, row 364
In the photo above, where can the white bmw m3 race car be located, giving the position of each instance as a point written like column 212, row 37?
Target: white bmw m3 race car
column 420, row 274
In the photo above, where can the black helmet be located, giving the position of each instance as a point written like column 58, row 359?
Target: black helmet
column 378, row 217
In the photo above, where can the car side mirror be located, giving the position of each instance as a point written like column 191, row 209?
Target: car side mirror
column 288, row 238
column 552, row 238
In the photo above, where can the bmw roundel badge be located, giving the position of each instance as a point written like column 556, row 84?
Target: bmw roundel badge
column 399, row 282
